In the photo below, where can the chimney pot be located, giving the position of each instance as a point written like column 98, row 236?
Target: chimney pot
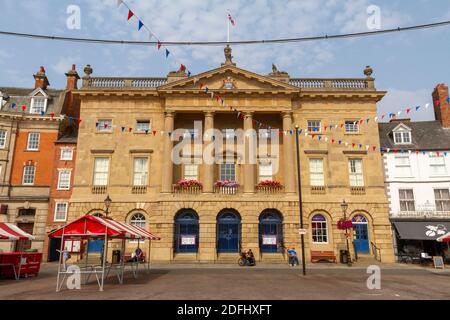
column 41, row 80
column 72, row 78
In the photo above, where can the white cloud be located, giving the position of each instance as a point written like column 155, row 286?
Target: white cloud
column 64, row 64
column 397, row 100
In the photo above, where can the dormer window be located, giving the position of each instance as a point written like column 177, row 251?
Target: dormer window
column 38, row 101
column 38, row 105
column 402, row 135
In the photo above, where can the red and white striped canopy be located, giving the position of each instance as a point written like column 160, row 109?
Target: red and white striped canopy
column 9, row 231
column 444, row 238
column 97, row 226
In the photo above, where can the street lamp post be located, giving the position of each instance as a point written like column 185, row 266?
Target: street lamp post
column 107, row 202
column 344, row 206
column 300, row 203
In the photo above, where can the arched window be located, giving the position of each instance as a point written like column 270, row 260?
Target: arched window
column 270, row 231
column 138, row 220
column 98, row 214
column 319, row 229
column 359, row 218
column 186, row 234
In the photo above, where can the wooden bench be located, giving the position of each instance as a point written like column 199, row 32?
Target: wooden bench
column 317, row 256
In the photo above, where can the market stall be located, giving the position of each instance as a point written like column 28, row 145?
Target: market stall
column 17, row 264
column 91, row 227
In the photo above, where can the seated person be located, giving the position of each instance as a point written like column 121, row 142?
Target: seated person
column 293, row 260
column 137, row 255
column 250, row 256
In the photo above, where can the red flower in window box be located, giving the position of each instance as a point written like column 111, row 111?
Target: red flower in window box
column 270, row 183
column 185, row 183
column 226, row 183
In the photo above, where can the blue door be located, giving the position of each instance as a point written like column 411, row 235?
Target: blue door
column 361, row 237
column 95, row 246
column 228, row 232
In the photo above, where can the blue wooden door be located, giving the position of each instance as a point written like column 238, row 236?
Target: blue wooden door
column 228, row 237
column 361, row 237
column 95, row 245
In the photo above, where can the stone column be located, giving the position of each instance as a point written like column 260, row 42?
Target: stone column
column 288, row 154
column 208, row 169
column 167, row 167
column 249, row 167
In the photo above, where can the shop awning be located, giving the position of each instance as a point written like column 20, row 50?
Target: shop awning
column 444, row 238
column 97, row 226
column 9, row 231
column 421, row 230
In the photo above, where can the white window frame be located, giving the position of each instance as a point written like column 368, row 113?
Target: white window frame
column 408, row 201
column 33, row 105
column 140, row 130
column 188, row 169
column 402, row 166
column 227, row 171
column 138, row 222
column 94, row 178
column 101, row 125
column 400, row 137
column 66, row 150
column 25, row 173
column 30, row 134
column 64, row 171
column 55, row 217
column 3, row 139
column 441, row 199
column 313, row 173
column 311, row 124
column 262, row 175
column 432, row 158
column 143, row 175
column 351, row 126
column 356, row 179
column 322, row 223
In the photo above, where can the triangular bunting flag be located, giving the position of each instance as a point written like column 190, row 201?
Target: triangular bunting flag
column 130, row 14
column 140, row 25
column 167, row 53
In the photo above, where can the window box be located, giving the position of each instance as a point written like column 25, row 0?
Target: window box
column 269, row 186
column 188, row 186
column 226, row 187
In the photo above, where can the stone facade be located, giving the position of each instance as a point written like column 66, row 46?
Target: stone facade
column 279, row 102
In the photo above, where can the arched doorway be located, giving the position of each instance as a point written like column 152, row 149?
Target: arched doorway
column 228, row 231
column 186, row 235
column 361, row 233
column 270, row 231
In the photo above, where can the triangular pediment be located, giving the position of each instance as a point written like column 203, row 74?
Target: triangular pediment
column 229, row 77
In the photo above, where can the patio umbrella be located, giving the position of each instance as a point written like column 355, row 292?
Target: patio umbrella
column 444, row 238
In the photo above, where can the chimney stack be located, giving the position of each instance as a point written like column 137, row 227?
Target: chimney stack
column 41, row 80
column 441, row 104
column 72, row 79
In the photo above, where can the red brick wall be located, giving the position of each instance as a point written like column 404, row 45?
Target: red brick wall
column 441, row 109
column 42, row 159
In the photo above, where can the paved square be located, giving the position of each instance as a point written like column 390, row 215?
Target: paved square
column 181, row 282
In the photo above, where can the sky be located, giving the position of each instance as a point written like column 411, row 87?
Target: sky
column 407, row 65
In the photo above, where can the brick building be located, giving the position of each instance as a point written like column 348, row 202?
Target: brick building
column 30, row 124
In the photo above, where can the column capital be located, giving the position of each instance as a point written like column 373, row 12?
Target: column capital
column 286, row 114
column 248, row 114
column 169, row 113
column 209, row 113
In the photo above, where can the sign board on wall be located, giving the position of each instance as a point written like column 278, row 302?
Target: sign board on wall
column 188, row 240
column 269, row 240
column 72, row 246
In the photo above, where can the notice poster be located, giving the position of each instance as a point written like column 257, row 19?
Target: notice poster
column 187, row 240
column 269, row 240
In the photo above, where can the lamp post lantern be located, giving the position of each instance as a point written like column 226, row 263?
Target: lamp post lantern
column 344, row 207
column 107, row 202
column 300, row 203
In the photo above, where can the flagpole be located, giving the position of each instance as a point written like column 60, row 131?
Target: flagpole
column 228, row 27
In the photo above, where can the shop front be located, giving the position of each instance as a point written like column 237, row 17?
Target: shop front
column 417, row 240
